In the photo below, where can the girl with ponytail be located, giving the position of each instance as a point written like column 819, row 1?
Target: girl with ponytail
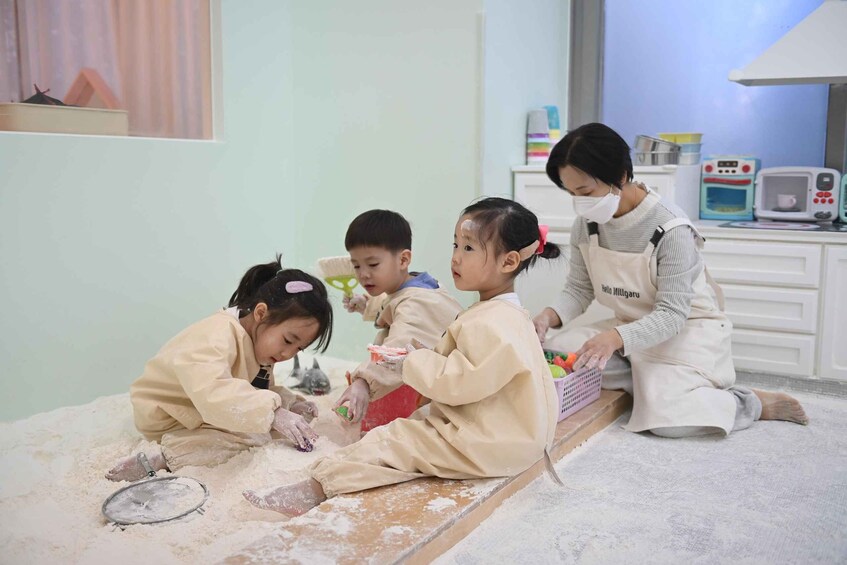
column 209, row 393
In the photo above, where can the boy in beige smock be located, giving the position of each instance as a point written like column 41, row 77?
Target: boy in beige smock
column 405, row 307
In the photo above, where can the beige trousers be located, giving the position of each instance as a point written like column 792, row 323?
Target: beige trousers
column 206, row 446
column 399, row 451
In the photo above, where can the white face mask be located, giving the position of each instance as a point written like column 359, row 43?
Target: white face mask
column 598, row 209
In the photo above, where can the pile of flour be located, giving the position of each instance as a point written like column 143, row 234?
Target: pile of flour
column 52, row 487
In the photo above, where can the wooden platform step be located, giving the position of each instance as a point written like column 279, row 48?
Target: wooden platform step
column 417, row 521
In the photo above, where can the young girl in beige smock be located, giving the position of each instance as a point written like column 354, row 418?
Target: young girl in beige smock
column 209, row 393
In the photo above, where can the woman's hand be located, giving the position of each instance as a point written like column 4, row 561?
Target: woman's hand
column 597, row 351
column 548, row 318
column 294, row 427
column 355, row 303
column 306, row 408
column 358, row 397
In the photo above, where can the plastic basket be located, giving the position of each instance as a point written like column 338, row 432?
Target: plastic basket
column 577, row 390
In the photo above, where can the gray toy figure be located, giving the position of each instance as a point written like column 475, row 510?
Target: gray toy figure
column 311, row 381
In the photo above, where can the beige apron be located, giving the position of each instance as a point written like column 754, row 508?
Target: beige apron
column 681, row 381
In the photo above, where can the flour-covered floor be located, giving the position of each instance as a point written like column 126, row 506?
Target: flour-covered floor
column 775, row 493
column 771, row 494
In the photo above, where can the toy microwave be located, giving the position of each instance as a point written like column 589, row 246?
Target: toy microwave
column 804, row 194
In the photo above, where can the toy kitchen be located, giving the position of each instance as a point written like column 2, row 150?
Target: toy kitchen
column 738, row 190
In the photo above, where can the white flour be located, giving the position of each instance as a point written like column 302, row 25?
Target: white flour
column 440, row 504
column 52, row 486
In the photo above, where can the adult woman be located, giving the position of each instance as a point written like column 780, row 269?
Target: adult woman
column 669, row 342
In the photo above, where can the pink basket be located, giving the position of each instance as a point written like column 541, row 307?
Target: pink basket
column 578, row 390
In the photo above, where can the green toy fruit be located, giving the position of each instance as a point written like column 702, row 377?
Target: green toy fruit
column 557, row 371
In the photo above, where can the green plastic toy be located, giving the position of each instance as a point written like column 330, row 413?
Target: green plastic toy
column 557, row 371
column 342, row 410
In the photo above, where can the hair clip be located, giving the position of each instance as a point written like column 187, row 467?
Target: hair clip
column 294, row 287
column 542, row 239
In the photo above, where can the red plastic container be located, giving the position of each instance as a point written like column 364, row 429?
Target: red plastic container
column 397, row 404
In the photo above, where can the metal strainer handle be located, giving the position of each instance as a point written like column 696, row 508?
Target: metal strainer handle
column 142, row 458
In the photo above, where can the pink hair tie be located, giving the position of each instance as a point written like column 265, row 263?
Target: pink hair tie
column 294, row 287
column 542, row 238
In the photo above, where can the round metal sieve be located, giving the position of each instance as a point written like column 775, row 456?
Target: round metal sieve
column 155, row 500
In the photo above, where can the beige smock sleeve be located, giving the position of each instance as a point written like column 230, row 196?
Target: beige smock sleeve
column 413, row 314
column 287, row 396
column 484, row 361
column 373, row 307
column 225, row 402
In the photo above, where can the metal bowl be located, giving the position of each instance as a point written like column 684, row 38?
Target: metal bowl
column 647, row 144
column 657, row 158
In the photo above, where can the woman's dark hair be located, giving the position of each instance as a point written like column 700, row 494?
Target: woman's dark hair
column 511, row 226
column 379, row 228
column 266, row 283
column 595, row 149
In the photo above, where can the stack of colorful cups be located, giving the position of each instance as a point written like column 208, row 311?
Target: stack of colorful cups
column 537, row 137
column 690, row 144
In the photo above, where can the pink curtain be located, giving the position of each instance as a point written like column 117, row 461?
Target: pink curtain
column 10, row 76
column 154, row 55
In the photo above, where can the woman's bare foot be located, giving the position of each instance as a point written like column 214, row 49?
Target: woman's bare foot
column 293, row 499
column 780, row 406
column 130, row 468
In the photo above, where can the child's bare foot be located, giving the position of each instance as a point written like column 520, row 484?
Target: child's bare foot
column 130, row 468
column 293, row 499
column 780, row 406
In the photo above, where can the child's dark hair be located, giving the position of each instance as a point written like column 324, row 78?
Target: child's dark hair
column 595, row 149
column 267, row 283
column 379, row 228
column 511, row 225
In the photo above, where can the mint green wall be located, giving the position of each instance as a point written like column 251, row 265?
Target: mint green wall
column 526, row 67
column 386, row 117
column 112, row 245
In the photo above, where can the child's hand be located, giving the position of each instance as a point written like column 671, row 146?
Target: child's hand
column 358, row 397
column 306, row 408
column 395, row 362
column 355, row 303
column 294, row 427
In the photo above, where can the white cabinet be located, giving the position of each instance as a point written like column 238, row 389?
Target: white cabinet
column 772, row 309
column 780, row 263
column 679, row 184
column 773, row 352
column 833, row 335
column 783, row 296
column 551, row 204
